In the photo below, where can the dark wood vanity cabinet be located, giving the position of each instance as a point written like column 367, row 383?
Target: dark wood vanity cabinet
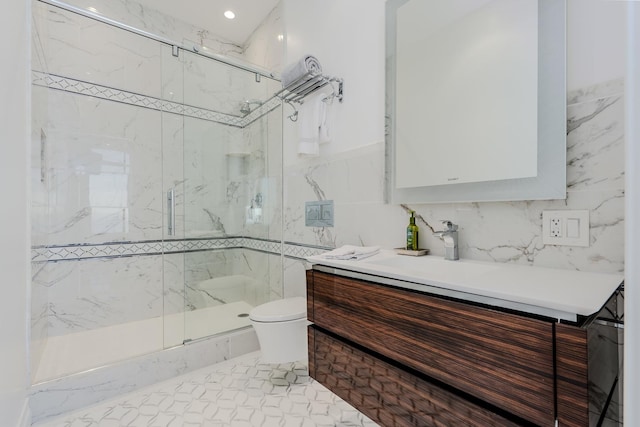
column 409, row 358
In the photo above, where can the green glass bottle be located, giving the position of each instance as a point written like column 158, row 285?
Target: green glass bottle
column 412, row 233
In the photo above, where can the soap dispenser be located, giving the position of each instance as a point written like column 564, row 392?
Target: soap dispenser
column 412, row 233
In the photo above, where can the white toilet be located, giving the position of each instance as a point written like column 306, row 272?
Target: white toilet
column 281, row 327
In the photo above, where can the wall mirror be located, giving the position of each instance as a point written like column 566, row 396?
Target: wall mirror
column 476, row 100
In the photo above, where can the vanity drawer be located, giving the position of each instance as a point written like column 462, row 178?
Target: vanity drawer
column 387, row 394
column 501, row 358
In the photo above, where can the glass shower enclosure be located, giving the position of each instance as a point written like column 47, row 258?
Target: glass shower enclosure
column 156, row 188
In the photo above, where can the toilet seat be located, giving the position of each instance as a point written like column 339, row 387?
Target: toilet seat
column 280, row 310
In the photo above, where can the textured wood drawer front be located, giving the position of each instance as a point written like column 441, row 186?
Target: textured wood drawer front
column 389, row 395
column 572, row 371
column 501, row 358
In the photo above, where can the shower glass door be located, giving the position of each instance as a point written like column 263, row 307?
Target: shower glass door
column 231, row 195
column 156, row 188
column 104, row 131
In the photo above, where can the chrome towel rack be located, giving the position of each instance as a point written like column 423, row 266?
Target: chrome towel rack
column 306, row 85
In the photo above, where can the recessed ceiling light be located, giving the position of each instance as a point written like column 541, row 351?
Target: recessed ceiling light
column 229, row 14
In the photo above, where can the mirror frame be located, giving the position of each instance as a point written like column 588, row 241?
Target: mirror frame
column 550, row 183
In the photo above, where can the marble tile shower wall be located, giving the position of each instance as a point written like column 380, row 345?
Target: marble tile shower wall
column 116, row 125
column 501, row 232
column 138, row 16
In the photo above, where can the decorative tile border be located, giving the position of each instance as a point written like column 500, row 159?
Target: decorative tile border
column 301, row 251
column 70, row 85
column 76, row 252
column 86, row 251
column 265, row 108
column 270, row 246
column 194, row 245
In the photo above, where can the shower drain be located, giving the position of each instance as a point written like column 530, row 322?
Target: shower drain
column 243, row 315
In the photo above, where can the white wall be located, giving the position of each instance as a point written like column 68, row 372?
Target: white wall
column 632, row 252
column 348, row 39
column 595, row 42
column 14, row 214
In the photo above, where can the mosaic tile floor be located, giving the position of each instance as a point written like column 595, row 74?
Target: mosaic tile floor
column 239, row 392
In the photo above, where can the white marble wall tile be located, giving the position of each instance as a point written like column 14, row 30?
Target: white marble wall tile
column 254, row 264
column 91, row 294
column 263, row 181
column 265, row 270
column 258, row 273
column 39, row 32
column 148, row 19
column 216, row 86
column 606, row 244
column 39, row 319
column 103, row 176
column 39, row 223
column 173, row 288
column 353, row 180
column 595, row 145
column 39, row 175
column 262, row 208
column 255, row 137
column 75, row 47
column 173, row 298
column 601, row 90
column 378, row 224
column 201, row 266
column 173, row 176
column 274, row 166
column 276, row 277
column 213, row 203
column 172, row 70
column 241, row 343
column 295, row 279
column 352, row 174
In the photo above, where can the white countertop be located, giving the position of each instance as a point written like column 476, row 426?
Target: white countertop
column 558, row 293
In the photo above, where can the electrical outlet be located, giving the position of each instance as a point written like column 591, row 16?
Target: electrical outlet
column 568, row 228
column 555, row 227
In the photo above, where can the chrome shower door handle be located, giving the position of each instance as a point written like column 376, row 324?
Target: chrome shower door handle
column 171, row 212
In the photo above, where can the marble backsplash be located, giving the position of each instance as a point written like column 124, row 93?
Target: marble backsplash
column 498, row 232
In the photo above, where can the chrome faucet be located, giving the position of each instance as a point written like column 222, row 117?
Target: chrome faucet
column 450, row 239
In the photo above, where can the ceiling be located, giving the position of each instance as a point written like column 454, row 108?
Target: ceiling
column 208, row 14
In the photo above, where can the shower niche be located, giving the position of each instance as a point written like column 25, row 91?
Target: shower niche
column 141, row 240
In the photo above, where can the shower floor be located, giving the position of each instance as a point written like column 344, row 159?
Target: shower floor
column 72, row 353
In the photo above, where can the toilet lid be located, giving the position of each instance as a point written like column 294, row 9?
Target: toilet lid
column 280, row 310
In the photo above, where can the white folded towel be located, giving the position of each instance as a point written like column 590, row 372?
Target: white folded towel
column 312, row 116
column 306, row 64
column 325, row 120
column 351, row 252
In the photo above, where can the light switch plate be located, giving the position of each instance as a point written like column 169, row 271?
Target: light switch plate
column 566, row 228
